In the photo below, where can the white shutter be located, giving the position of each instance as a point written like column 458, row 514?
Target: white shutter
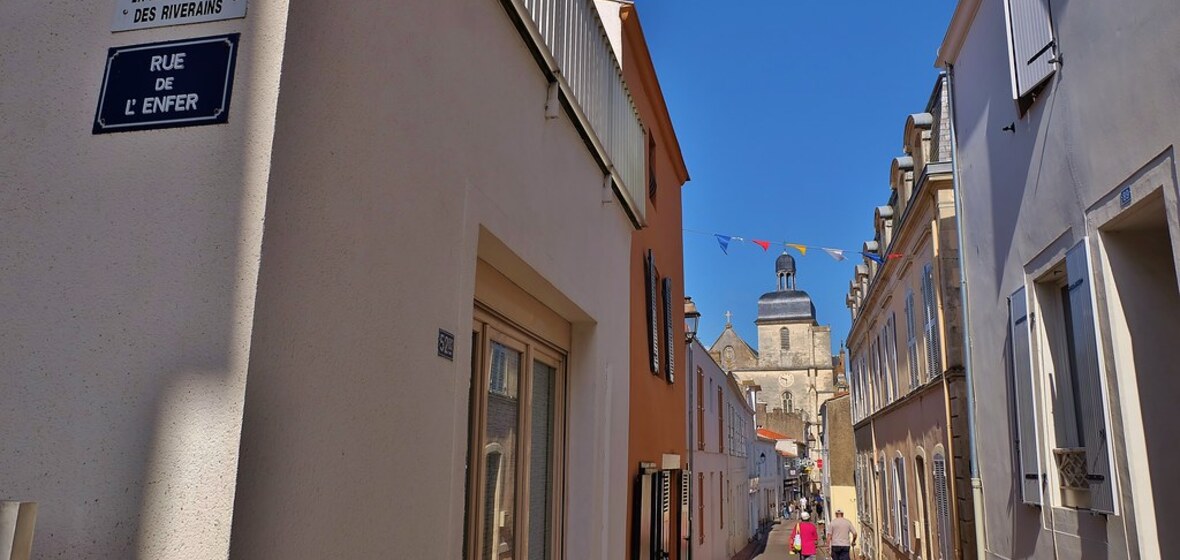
column 1026, row 407
column 942, row 509
column 912, row 338
column 930, row 315
column 1091, row 394
column 1030, row 41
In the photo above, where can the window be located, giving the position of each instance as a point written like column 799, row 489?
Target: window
column 883, row 496
column 900, row 510
column 701, row 409
column 720, row 421
column 788, row 402
column 651, row 167
column 701, row 508
column 912, row 339
column 1031, row 46
column 721, row 498
column 930, row 314
column 1079, row 420
column 942, row 508
column 516, row 447
column 784, row 337
column 891, row 354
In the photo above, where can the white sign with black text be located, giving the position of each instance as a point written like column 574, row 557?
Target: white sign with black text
column 143, row 14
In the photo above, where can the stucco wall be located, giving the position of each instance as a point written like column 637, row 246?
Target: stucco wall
column 129, row 264
column 355, row 433
column 1110, row 110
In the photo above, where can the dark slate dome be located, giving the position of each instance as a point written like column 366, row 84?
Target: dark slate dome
column 785, row 305
column 785, row 264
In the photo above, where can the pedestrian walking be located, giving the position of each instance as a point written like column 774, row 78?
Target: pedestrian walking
column 804, row 538
column 841, row 537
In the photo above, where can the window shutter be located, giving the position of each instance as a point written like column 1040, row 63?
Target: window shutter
column 903, row 505
column 942, row 509
column 912, row 340
column 653, row 322
column 1026, row 409
column 1089, row 377
column 1030, row 39
column 669, row 334
column 930, row 314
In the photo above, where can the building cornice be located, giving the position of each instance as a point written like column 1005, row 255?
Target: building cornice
column 956, row 33
column 904, row 237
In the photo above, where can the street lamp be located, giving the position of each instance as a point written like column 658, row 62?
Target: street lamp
column 692, row 318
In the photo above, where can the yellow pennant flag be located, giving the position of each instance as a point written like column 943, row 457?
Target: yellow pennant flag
column 801, row 248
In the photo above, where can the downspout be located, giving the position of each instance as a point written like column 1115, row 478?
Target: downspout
column 957, row 188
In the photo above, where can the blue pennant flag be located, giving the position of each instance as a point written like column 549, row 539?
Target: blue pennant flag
column 873, row 256
column 723, row 241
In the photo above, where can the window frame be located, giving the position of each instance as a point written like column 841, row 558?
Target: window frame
column 489, row 327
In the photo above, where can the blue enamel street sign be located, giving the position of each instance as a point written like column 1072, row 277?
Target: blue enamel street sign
column 166, row 85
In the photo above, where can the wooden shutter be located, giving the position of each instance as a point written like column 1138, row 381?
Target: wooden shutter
column 1091, row 394
column 670, row 345
column 1026, row 406
column 653, row 322
column 1030, row 40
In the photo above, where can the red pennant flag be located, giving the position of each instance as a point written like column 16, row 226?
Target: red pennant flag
column 764, row 244
column 895, row 256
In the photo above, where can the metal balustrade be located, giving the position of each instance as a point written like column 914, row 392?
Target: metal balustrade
column 571, row 38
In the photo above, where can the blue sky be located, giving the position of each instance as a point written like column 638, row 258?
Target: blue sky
column 788, row 114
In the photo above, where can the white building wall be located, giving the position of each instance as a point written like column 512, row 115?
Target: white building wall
column 128, row 267
column 726, row 496
column 1106, row 119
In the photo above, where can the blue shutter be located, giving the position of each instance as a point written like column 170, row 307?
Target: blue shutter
column 1030, row 34
column 1026, row 406
column 1089, row 377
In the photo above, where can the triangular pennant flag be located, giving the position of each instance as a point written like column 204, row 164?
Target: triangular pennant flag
column 835, row 253
column 873, row 257
column 723, row 241
column 801, row 248
column 895, row 256
column 764, row 244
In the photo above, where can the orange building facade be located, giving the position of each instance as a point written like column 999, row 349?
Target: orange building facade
column 657, row 512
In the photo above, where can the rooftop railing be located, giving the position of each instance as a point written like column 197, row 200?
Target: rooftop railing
column 571, row 39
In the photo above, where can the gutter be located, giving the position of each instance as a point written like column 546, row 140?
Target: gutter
column 972, row 430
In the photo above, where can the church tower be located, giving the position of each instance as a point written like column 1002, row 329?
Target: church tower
column 793, row 363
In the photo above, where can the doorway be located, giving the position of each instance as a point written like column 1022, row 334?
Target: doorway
column 1144, row 304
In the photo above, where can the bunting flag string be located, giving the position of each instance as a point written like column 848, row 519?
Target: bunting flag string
column 837, row 254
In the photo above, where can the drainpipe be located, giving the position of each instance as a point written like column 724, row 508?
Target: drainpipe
column 957, row 187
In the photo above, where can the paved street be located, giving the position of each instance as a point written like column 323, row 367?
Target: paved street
column 778, row 543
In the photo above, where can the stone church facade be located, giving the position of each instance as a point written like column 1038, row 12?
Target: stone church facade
column 793, row 363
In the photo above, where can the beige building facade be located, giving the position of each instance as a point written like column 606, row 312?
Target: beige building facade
column 905, row 358
column 1067, row 122
column 388, row 239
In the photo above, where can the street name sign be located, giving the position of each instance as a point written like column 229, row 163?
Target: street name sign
column 143, row 14
column 166, row 85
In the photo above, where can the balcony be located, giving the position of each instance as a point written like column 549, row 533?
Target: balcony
column 569, row 38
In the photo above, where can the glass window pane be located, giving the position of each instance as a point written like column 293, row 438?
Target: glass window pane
column 540, row 476
column 500, row 435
